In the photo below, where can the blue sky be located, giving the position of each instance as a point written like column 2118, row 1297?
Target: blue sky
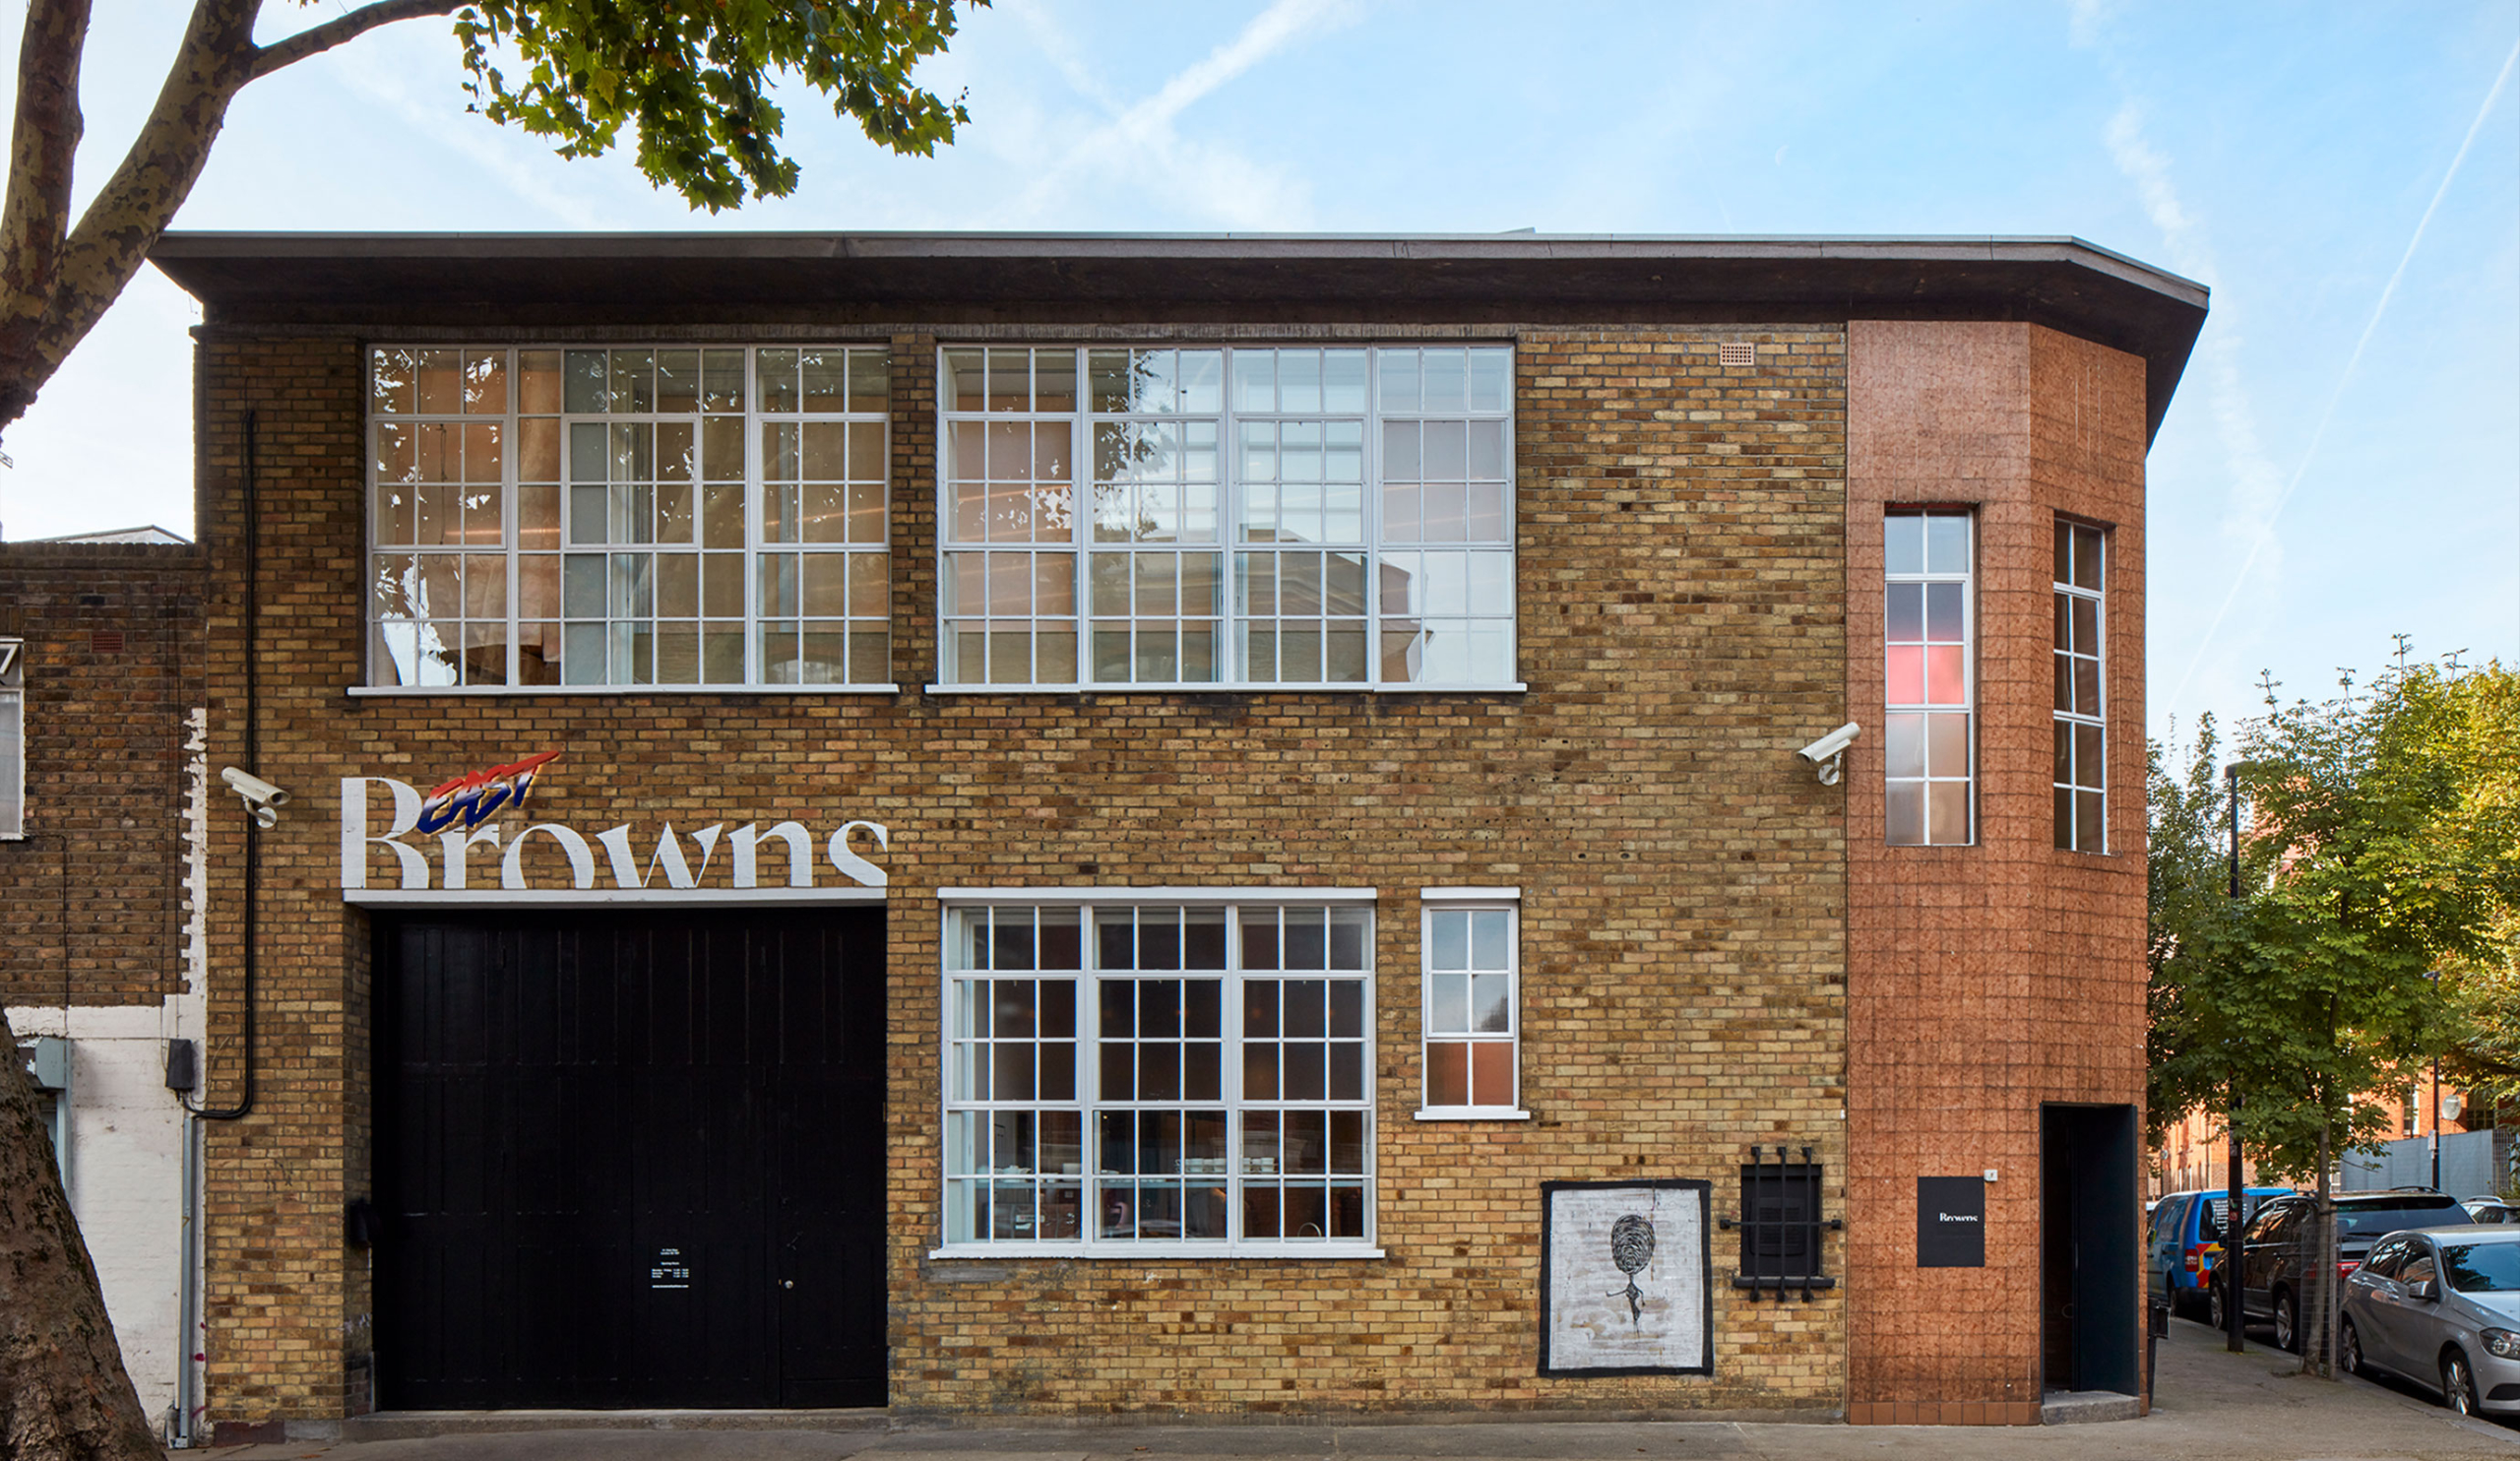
column 2342, row 463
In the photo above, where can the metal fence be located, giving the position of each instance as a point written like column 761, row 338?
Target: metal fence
column 2467, row 1165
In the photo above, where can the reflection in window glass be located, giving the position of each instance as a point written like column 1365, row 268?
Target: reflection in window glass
column 1255, row 516
column 1471, row 1022
column 1927, row 749
column 1122, row 1074
column 637, row 516
column 2081, row 729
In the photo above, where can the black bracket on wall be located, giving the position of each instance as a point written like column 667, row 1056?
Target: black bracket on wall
column 1803, row 1216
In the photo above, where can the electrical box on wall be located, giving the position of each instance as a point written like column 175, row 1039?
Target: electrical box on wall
column 48, row 1061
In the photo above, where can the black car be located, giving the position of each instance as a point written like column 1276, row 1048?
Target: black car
column 2276, row 1249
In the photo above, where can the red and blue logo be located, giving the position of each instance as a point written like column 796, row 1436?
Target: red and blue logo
column 478, row 796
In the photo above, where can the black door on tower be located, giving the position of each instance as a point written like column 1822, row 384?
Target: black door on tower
column 630, row 1159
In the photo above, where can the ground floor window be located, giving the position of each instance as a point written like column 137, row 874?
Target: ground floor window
column 1159, row 1075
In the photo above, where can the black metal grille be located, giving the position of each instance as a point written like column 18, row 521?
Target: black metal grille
column 1779, row 1226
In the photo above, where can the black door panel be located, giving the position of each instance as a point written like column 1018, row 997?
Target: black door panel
column 630, row 1160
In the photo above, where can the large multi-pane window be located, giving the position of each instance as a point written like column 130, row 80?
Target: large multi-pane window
column 1245, row 515
column 652, row 516
column 2082, row 733
column 1928, row 634
column 1177, row 1075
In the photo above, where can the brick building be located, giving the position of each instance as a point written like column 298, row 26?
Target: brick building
column 1174, row 825
column 103, row 720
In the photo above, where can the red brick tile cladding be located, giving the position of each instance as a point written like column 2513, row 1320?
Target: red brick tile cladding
column 92, row 900
column 1983, row 980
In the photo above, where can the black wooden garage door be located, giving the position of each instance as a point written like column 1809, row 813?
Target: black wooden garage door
column 630, row 1160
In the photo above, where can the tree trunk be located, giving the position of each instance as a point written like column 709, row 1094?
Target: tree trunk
column 64, row 1395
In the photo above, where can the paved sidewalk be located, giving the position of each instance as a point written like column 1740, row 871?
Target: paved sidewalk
column 2209, row 1406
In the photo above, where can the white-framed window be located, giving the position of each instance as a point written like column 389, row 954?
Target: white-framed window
column 2081, row 660
column 555, row 516
column 13, row 739
column 1159, row 1071
column 1470, row 963
column 1237, row 517
column 1929, row 640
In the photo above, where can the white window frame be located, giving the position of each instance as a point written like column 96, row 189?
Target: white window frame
column 1433, row 904
column 957, row 901
column 1228, row 544
column 1967, row 578
column 2070, row 723
column 13, row 740
column 380, row 679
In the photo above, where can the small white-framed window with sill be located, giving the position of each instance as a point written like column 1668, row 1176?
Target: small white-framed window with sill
column 1929, row 641
column 1470, row 973
column 2080, row 663
column 1181, row 1071
column 554, row 517
column 1248, row 517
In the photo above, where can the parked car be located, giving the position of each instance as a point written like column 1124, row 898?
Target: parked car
column 2440, row 1307
column 2186, row 1236
column 2490, row 1210
column 2277, row 1251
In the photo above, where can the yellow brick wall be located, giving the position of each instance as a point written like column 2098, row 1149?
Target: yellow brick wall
column 1683, row 629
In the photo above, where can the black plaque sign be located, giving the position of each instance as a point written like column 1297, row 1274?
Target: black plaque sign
column 1951, row 1222
column 671, row 1270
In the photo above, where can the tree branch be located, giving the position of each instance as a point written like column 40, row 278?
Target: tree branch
column 340, row 28
column 37, row 217
column 123, row 220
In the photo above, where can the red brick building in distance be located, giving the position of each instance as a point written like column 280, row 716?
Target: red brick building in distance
column 1150, row 826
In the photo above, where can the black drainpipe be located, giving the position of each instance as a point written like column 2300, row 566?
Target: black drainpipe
column 253, row 758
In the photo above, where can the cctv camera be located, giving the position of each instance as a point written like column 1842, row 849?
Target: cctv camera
column 1828, row 753
column 262, row 800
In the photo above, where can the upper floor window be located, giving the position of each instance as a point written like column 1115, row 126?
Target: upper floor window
column 649, row 516
column 2082, row 732
column 1929, row 641
column 1240, row 517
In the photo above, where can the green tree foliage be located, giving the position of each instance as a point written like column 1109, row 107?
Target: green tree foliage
column 2381, row 843
column 692, row 77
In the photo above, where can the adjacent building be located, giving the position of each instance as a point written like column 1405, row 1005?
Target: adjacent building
column 1075, row 825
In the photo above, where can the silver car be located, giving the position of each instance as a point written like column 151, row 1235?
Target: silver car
column 2441, row 1308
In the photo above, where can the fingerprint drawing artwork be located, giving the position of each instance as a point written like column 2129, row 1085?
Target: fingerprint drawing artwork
column 1653, row 1233
column 1631, row 1248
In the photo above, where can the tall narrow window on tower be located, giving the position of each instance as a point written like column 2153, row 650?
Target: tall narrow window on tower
column 1930, row 630
column 2082, row 735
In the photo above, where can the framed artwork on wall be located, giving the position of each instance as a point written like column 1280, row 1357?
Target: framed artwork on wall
column 1626, row 1278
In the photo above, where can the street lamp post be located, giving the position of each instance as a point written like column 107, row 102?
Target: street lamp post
column 2232, row 1277
column 2435, row 1105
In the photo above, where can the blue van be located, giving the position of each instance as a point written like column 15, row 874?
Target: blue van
column 2186, row 1236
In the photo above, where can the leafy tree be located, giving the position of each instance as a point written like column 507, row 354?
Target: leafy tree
column 2382, row 846
column 690, row 77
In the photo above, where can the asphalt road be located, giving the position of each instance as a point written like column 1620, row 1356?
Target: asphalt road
column 2209, row 1405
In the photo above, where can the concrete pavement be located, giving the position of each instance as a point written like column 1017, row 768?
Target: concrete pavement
column 2209, row 1406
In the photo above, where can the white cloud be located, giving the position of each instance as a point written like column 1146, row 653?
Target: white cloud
column 1141, row 147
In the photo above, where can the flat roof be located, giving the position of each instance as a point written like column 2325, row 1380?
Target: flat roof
column 557, row 281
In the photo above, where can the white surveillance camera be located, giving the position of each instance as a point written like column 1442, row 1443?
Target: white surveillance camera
column 1829, row 752
column 263, row 801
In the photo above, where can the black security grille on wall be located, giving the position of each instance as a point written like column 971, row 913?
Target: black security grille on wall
column 1779, row 1226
